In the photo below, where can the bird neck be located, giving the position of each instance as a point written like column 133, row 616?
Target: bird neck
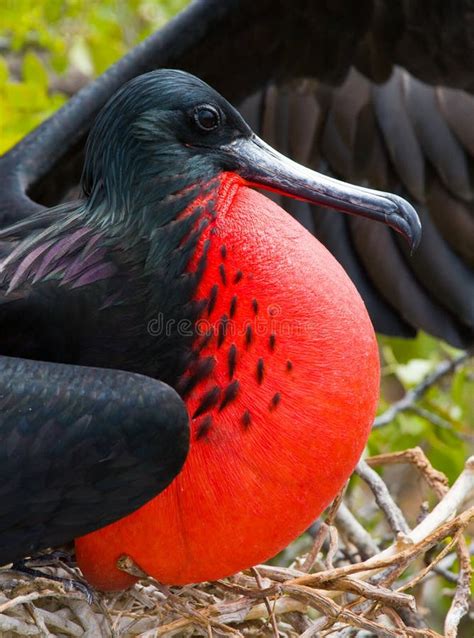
column 145, row 191
column 161, row 200
column 164, row 255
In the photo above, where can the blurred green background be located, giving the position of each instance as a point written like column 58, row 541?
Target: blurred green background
column 50, row 48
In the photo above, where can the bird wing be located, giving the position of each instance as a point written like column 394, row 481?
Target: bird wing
column 70, row 253
column 81, row 448
column 418, row 133
column 56, row 285
column 404, row 136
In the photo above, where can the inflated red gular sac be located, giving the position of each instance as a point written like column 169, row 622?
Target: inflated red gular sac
column 183, row 272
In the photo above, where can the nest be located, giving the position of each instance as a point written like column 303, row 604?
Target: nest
column 338, row 580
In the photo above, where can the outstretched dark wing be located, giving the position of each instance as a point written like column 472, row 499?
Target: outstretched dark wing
column 402, row 135
column 80, row 448
column 413, row 137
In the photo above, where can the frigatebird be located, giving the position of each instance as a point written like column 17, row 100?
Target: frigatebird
column 329, row 94
column 171, row 266
column 373, row 92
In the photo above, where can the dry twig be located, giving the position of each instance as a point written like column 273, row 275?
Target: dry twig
column 413, row 395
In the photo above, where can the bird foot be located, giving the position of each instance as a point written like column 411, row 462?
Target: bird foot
column 51, row 558
column 69, row 584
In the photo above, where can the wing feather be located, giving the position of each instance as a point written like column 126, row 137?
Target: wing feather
column 81, row 448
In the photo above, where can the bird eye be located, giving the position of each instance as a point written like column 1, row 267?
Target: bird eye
column 207, row 117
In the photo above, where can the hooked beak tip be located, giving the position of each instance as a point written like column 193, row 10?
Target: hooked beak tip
column 406, row 222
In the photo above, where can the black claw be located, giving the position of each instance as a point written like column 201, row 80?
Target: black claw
column 87, row 590
column 69, row 584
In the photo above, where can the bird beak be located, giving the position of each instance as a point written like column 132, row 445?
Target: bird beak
column 260, row 165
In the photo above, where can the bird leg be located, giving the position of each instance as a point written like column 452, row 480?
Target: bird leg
column 29, row 567
column 55, row 557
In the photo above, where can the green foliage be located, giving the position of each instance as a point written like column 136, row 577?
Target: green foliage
column 25, row 104
column 442, row 420
column 43, row 40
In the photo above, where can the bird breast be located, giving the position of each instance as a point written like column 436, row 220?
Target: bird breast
column 281, row 399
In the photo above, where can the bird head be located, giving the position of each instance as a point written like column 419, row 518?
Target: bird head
column 167, row 130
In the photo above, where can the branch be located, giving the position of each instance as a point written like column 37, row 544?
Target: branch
column 392, row 512
column 462, row 597
column 355, row 533
column 413, row 395
column 415, row 456
column 435, row 527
